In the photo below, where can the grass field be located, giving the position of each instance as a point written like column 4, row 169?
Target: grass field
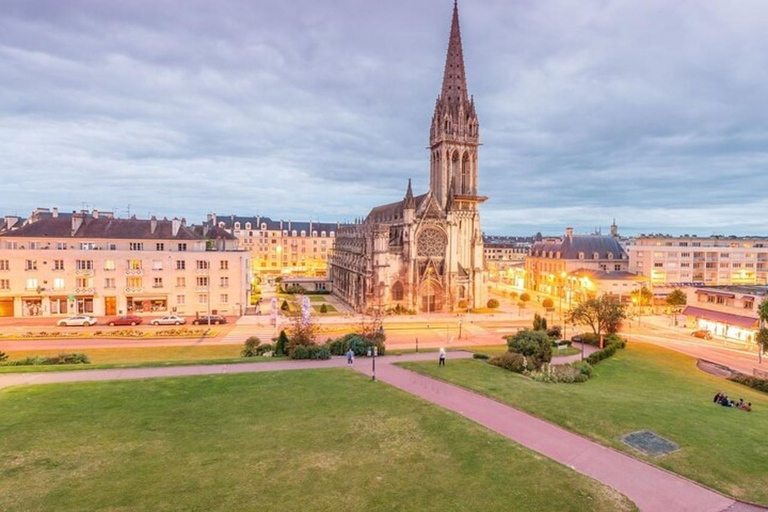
column 102, row 358
column 322, row 440
column 645, row 387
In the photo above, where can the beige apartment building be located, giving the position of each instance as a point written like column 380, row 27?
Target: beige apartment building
column 726, row 311
column 55, row 265
column 281, row 247
column 678, row 261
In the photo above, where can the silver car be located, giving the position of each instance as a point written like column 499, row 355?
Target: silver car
column 169, row 320
column 77, row 321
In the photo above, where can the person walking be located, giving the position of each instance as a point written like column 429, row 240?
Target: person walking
column 441, row 360
column 350, row 357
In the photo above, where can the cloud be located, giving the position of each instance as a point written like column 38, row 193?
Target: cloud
column 651, row 112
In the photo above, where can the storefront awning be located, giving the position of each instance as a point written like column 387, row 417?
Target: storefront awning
column 718, row 316
column 716, row 294
column 747, row 297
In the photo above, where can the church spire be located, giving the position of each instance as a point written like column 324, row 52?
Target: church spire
column 454, row 79
column 410, row 202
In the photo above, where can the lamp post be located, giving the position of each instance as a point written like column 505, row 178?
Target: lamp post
column 372, row 353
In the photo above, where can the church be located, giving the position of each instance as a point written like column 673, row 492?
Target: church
column 424, row 253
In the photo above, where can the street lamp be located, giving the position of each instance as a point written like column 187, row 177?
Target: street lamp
column 372, row 353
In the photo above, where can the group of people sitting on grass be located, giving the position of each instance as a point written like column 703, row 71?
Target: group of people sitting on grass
column 722, row 399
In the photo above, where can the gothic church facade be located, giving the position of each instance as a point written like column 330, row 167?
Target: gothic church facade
column 425, row 252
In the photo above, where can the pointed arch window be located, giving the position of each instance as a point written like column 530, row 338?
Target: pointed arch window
column 397, row 291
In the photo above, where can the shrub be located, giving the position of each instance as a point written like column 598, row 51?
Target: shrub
column 493, row 304
column 525, row 297
column 71, row 358
column 556, row 333
column 281, row 346
column 584, row 367
column 323, row 308
column 513, row 295
column 250, row 347
column 3, row 356
column 566, row 374
column 535, row 345
column 264, row 348
column 539, row 323
column 548, row 303
column 510, row 361
column 319, row 352
column 478, row 355
column 748, row 380
column 300, row 352
column 612, row 344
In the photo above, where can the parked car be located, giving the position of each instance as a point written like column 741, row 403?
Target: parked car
column 77, row 321
column 703, row 334
column 209, row 319
column 578, row 338
column 125, row 320
column 169, row 320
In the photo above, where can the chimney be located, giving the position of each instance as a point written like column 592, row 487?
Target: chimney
column 569, row 233
column 95, row 213
column 153, row 224
column 55, row 213
column 183, row 222
column 77, row 221
column 175, row 226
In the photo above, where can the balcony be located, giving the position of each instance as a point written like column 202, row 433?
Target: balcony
column 84, row 272
column 134, row 289
column 201, row 288
column 202, row 271
column 84, row 291
column 134, row 272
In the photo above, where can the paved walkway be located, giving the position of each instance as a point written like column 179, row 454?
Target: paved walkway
column 652, row 489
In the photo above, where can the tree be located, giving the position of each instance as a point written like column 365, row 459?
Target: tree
column 493, row 304
column 250, row 347
column 281, row 347
column 677, row 299
column 603, row 315
column 534, row 345
column 539, row 323
column 302, row 332
column 548, row 303
column 762, row 341
column 525, row 297
column 762, row 335
column 642, row 297
column 323, row 308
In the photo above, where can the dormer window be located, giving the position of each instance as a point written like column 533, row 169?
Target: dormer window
column 581, row 255
column 303, row 233
column 322, row 234
column 247, row 225
column 263, row 226
column 293, row 233
column 333, row 234
column 285, row 232
column 596, row 256
column 558, row 255
column 610, row 255
column 314, row 234
column 221, row 224
column 237, row 225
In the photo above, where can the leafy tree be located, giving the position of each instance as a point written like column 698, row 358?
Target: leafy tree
column 539, row 323
column 762, row 311
column 642, row 297
column 603, row 315
column 534, row 345
column 493, row 303
column 3, row 356
column 301, row 332
column 281, row 347
column 677, row 299
column 513, row 295
column 762, row 340
column 762, row 334
column 525, row 297
column 250, row 347
column 548, row 303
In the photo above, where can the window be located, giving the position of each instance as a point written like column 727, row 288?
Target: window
column 159, row 246
column 617, row 268
column 157, row 264
column 158, row 282
column 109, row 282
column 30, row 265
column 31, row 283
column 181, row 282
column 181, row 300
column 109, row 264
column 84, row 264
column 5, row 265
column 136, row 246
column 134, row 264
column 5, row 284
column 87, row 246
column 10, row 245
column 748, row 304
column 85, row 282
column 61, row 246
column 58, row 264
column 181, row 264
column 58, row 283
column 202, row 281
column 659, row 264
column 203, row 265
column 581, row 255
column 224, row 281
column 182, row 247
column 111, row 247
column 202, row 298
column 133, row 282
column 224, row 298
column 224, row 265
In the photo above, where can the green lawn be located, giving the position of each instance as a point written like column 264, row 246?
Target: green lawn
column 322, row 440
column 645, row 387
column 328, row 307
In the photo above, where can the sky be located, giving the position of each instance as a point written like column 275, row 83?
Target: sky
column 647, row 111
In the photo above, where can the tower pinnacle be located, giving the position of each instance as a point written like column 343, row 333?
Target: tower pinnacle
column 454, row 79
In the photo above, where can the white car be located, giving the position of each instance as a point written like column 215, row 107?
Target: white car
column 169, row 320
column 77, row 321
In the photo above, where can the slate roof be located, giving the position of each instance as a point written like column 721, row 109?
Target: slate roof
column 392, row 211
column 606, row 275
column 274, row 225
column 103, row 228
column 570, row 247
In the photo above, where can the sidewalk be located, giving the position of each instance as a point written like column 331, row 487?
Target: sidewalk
column 652, row 489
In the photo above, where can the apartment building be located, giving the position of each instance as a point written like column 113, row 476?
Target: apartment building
column 715, row 261
column 726, row 311
column 280, row 247
column 504, row 252
column 86, row 262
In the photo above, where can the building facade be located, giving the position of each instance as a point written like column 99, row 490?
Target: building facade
column 59, row 265
column 726, row 311
column 425, row 252
column 578, row 266
column 502, row 252
column 280, row 247
column 713, row 261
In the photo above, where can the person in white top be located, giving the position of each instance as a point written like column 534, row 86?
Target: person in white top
column 442, row 357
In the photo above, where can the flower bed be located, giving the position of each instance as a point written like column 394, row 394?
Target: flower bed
column 176, row 332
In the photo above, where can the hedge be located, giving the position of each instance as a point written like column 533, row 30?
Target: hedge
column 752, row 382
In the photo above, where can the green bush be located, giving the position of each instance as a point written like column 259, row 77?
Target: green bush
column 478, row 355
column 748, row 380
column 584, row 367
column 300, row 352
column 510, row 361
column 323, row 308
column 493, row 304
column 250, row 347
column 534, row 345
column 612, row 344
column 565, row 374
column 3, row 356
column 539, row 323
column 556, row 333
column 281, row 345
column 71, row 358
column 264, row 348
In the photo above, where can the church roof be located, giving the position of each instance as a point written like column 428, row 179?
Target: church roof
column 392, row 211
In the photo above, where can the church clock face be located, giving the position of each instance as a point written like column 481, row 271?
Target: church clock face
column 431, row 243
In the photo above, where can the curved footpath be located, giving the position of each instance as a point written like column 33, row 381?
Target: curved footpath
column 651, row 488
